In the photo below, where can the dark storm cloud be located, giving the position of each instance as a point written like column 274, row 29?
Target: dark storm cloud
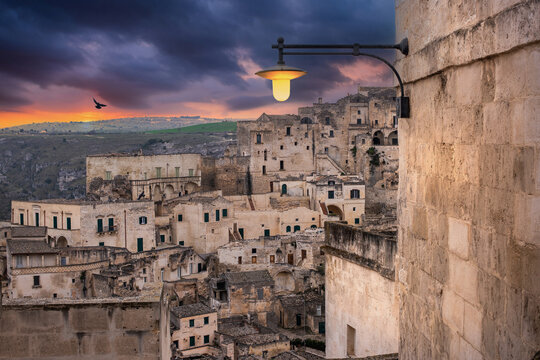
column 127, row 51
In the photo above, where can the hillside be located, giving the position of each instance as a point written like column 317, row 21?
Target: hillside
column 123, row 125
column 52, row 166
column 218, row 127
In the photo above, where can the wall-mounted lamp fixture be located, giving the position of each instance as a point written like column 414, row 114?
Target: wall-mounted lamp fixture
column 281, row 75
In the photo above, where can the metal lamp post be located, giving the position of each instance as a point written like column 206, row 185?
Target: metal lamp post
column 281, row 75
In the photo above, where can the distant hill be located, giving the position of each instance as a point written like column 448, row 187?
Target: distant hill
column 217, row 127
column 122, row 125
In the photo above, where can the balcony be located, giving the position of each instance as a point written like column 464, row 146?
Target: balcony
column 107, row 230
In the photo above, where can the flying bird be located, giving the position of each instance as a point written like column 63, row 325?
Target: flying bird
column 98, row 105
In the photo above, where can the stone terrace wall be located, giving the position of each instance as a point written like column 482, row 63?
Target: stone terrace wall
column 89, row 329
column 469, row 194
column 375, row 251
column 360, row 292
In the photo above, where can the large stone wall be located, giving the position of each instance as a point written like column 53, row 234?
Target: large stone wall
column 469, row 206
column 361, row 295
column 89, row 329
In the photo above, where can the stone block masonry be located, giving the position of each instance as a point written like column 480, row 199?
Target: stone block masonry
column 83, row 329
column 469, row 171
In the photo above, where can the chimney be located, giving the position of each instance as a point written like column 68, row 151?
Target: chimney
column 320, row 100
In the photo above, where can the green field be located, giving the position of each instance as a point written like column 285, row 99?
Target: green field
column 224, row 126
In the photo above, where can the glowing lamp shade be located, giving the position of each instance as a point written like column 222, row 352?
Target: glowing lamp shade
column 281, row 76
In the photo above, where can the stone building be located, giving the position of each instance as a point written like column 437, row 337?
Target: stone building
column 128, row 224
column 302, row 311
column 360, row 271
column 243, row 293
column 134, row 176
column 131, row 327
column 193, row 328
column 469, row 193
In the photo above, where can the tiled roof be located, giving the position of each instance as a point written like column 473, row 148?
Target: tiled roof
column 29, row 247
column 28, row 231
column 191, row 310
column 259, row 277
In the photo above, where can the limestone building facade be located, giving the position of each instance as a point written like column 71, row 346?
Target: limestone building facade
column 469, row 189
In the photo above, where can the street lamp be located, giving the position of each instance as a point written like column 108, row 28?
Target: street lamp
column 281, row 74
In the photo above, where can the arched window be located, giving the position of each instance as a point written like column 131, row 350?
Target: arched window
column 313, row 226
column 288, row 228
column 296, row 228
column 283, row 189
column 306, row 120
column 259, row 139
column 355, row 194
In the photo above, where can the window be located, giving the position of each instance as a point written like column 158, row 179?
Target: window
column 145, row 176
column 206, row 339
column 191, row 322
column 68, row 223
column 181, row 243
column 331, row 133
column 280, row 147
column 111, row 224
column 260, row 294
column 326, row 150
column 139, row 244
column 217, row 215
column 264, row 170
column 359, row 112
column 253, row 259
column 162, row 238
column 395, row 121
column 21, row 219
column 36, row 281
column 288, row 131
column 192, row 341
column 254, row 251
column 206, row 320
column 327, row 121
column 353, row 209
column 158, row 172
column 319, row 310
column 177, row 171
column 272, row 259
column 191, row 172
column 37, row 219
column 55, row 222
column 143, row 220
column 206, row 217
column 179, row 217
column 259, row 139
column 359, row 121
column 288, row 228
column 357, row 221
column 108, row 175
column 239, row 260
column 281, row 165
column 101, row 243
column 295, row 143
column 355, row 194
column 265, row 155
column 179, row 272
column 306, row 135
column 394, row 141
column 363, row 141
column 19, row 261
column 241, row 232
column 307, row 147
column 162, row 274
column 224, row 213
column 376, row 122
column 296, row 228
column 266, row 232
column 330, row 194
column 298, row 319
column 304, row 254
column 99, row 225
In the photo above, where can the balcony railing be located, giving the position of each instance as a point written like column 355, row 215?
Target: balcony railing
column 107, row 229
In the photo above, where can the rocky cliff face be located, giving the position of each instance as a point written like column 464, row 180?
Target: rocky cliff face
column 53, row 166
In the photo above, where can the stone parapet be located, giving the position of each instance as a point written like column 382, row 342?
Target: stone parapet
column 373, row 250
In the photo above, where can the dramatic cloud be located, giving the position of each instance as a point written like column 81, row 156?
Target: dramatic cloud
column 138, row 55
